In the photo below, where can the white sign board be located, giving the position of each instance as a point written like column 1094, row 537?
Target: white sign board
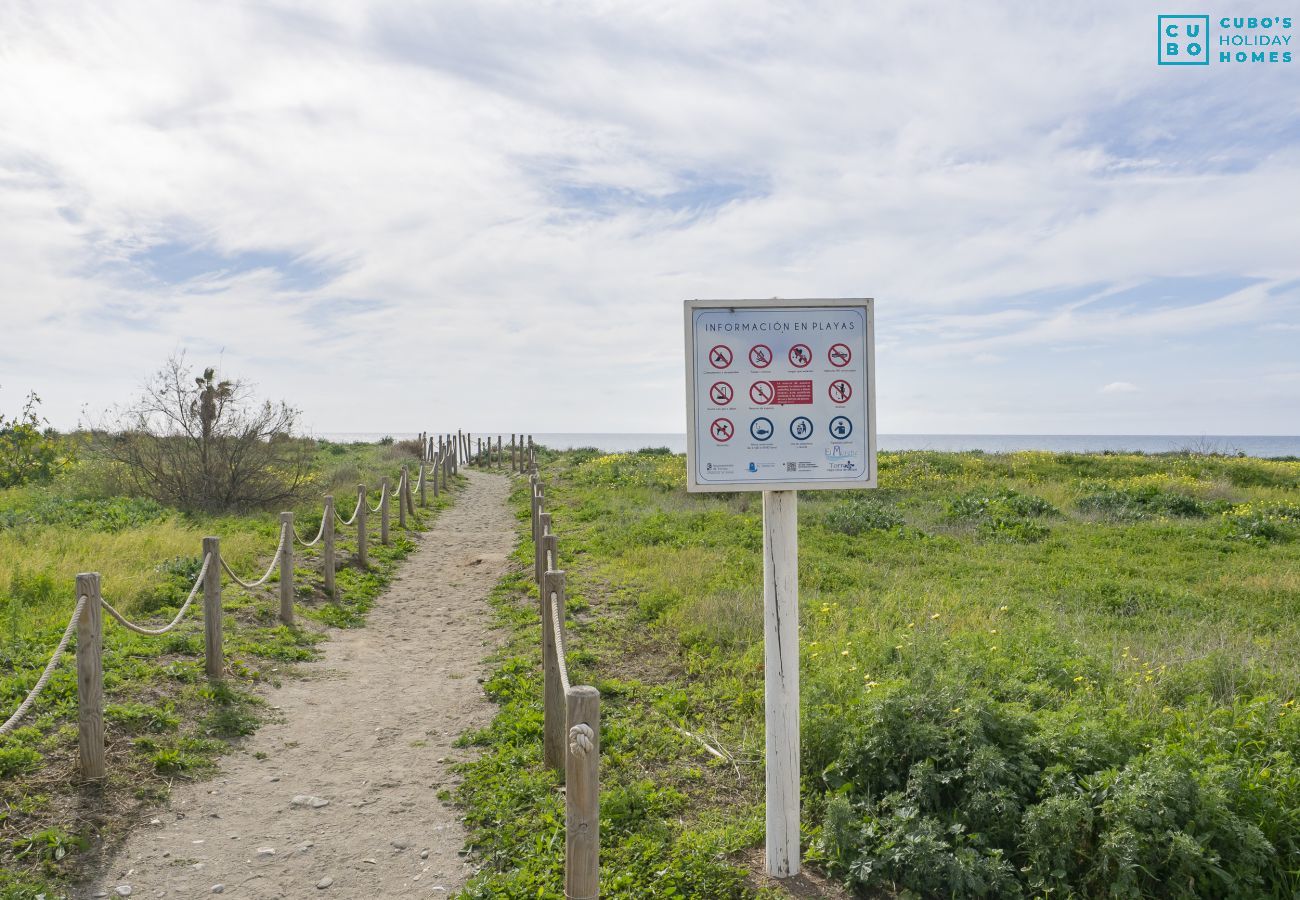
column 780, row 395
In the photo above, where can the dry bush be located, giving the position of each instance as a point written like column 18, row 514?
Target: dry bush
column 200, row 444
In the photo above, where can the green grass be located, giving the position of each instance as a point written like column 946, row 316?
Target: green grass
column 164, row 721
column 1028, row 674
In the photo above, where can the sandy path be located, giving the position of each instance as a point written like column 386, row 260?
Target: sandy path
column 369, row 730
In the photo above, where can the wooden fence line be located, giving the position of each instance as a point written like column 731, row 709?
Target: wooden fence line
column 89, row 623
column 570, row 713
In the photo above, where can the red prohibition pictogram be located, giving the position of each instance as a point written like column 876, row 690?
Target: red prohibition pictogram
column 839, row 355
column 800, row 356
column 722, row 430
column 721, row 393
column 840, row 390
column 720, row 357
column 762, row 392
column 760, row 356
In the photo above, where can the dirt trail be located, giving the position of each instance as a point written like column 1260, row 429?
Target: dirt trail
column 369, row 730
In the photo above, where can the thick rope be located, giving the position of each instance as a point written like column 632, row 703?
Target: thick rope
column 354, row 512
column 382, row 496
column 131, row 626
column 249, row 585
column 581, row 739
column 563, row 664
column 319, row 534
column 49, row 669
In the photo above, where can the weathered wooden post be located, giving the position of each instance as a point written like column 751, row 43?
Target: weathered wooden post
column 582, row 795
column 533, row 502
column 543, row 529
column 781, row 671
column 213, row 662
column 512, row 452
column 90, row 677
column 553, row 691
column 435, row 469
column 401, row 500
column 327, row 554
column 383, row 510
column 363, row 557
column 424, row 487
column 286, row 569
column 498, row 450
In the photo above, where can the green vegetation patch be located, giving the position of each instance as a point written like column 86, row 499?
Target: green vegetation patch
column 1023, row 675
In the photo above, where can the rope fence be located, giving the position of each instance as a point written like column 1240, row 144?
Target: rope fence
column 154, row 632
column 570, row 713
column 437, row 467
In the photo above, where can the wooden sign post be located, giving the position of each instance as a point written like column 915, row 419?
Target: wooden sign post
column 780, row 397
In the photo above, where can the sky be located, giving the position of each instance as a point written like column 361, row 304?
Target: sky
column 486, row 215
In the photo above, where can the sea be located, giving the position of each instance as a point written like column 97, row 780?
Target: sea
column 1264, row 446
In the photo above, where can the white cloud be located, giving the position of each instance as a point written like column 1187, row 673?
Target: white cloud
column 1120, row 387
column 513, row 198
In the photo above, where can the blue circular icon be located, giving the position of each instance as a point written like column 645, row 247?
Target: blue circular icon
column 801, row 428
column 761, row 428
column 841, row 427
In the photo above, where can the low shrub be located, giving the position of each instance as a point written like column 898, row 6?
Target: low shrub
column 863, row 513
column 1132, row 504
column 941, row 789
column 1005, row 514
column 1276, row 521
column 16, row 759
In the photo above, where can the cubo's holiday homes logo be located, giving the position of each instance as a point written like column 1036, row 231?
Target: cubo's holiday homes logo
column 1185, row 40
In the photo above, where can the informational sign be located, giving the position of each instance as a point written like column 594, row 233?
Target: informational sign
column 780, row 395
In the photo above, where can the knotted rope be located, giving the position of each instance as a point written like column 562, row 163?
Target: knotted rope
column 581, row 739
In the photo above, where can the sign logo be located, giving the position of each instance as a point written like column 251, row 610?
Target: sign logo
column 1184, row 40
column 721, row 393
column 760, row 356
column 720, row 356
